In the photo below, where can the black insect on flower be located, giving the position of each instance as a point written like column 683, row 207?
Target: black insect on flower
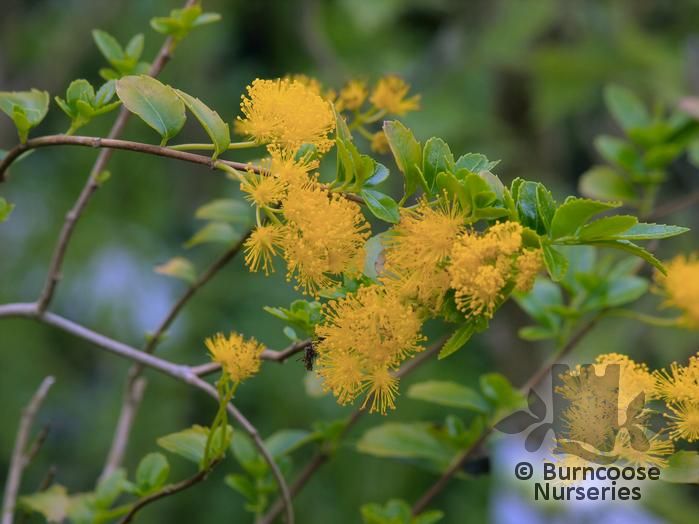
column 309, row 356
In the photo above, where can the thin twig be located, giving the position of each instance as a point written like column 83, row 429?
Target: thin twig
column 135, row 384
column 323, row 455
column 92, row 184
column 168, row 490
column 533, row 381
column 20, row 455
column 675, row 206
column 180, row 372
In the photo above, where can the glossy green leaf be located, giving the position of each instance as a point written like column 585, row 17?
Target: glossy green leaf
column 626, row 107
column 52, row 503
column 189, row 443
column 210, row 120
column 26, row 108
column 682, row 468
column 630, row 247
column 397, row 512
column 502, row 396
column 574, row 213
column 644, row 231
column 225, row 210
column 178, row 267
column 5, row 209
column 109, row 489
column 556, row 263
column 155, row 103
column 407, row 153
column 108, row 45
column 287, row 441
column 381, row 205
column 152, row 473
column 458, row 339
column 449, row 394
column 473, row 162
column 213, row 232
column 436, row 157
column 545, row 206
column 134, row 48
column 604, row 183
column 404, row 440
column 607, row 227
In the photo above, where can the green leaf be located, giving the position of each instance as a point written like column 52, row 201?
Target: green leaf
column 286, row 441
column 502, row 396
column 527, row 203
column 381, row 205
column 225, row 210
column 644, row 231
column 627, row 108
column 404, row 440
column 247, row 455
column 155, row 103
column 206, row 18
column 606, row 227
column 397, row 512
column 474, row 162
column 178, row 267
column 52, row 503
column 630, row 247
column 26, row 108
column 5, row 209
column 604, row 183
column 458, row 339
column 108, row 46
column 436, row 157
column 189, row 443
column 243, row 485
column 536, row 333
column 408, row 154
column 556, row 263
column 210, row 120
column 574, row 213
column 152, row 473
column 109, row 489
column 213, row 232
column 682, row 468
column 449, row 394
column 622, row 290
column 545, row 206
column 134, row 48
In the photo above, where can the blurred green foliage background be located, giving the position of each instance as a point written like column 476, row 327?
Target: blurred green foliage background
column 517, row 80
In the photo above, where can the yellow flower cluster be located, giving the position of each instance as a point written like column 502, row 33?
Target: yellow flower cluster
column 239, row 358
column 390, row 94
column 417, row 250
column 364, row 339
column 286, row 113
column 324, row 235
column 484, row 267
column 679, row 387
column 681, row 288
column 599, row 405
column 431, row 250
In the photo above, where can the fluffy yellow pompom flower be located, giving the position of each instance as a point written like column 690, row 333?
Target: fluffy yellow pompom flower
column 352, row 96
column 684, row 420
column 390, row 95
column 678, row 383
column 262, row 190
column 262, row 246
column 365, row 337
column 481, row 266
column 239, row 358
column 655, row 454
column 286, row 113
column 324, row 236
column 528, row 265
column 288, row 169
column 681, row 288
column 416, row 252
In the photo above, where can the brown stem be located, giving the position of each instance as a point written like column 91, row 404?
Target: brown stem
column 675, row 206
column 72, row 217
column 533, row 381
column 168, row 490
column 324, row 455
column 135, row 384
column 21, row 456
